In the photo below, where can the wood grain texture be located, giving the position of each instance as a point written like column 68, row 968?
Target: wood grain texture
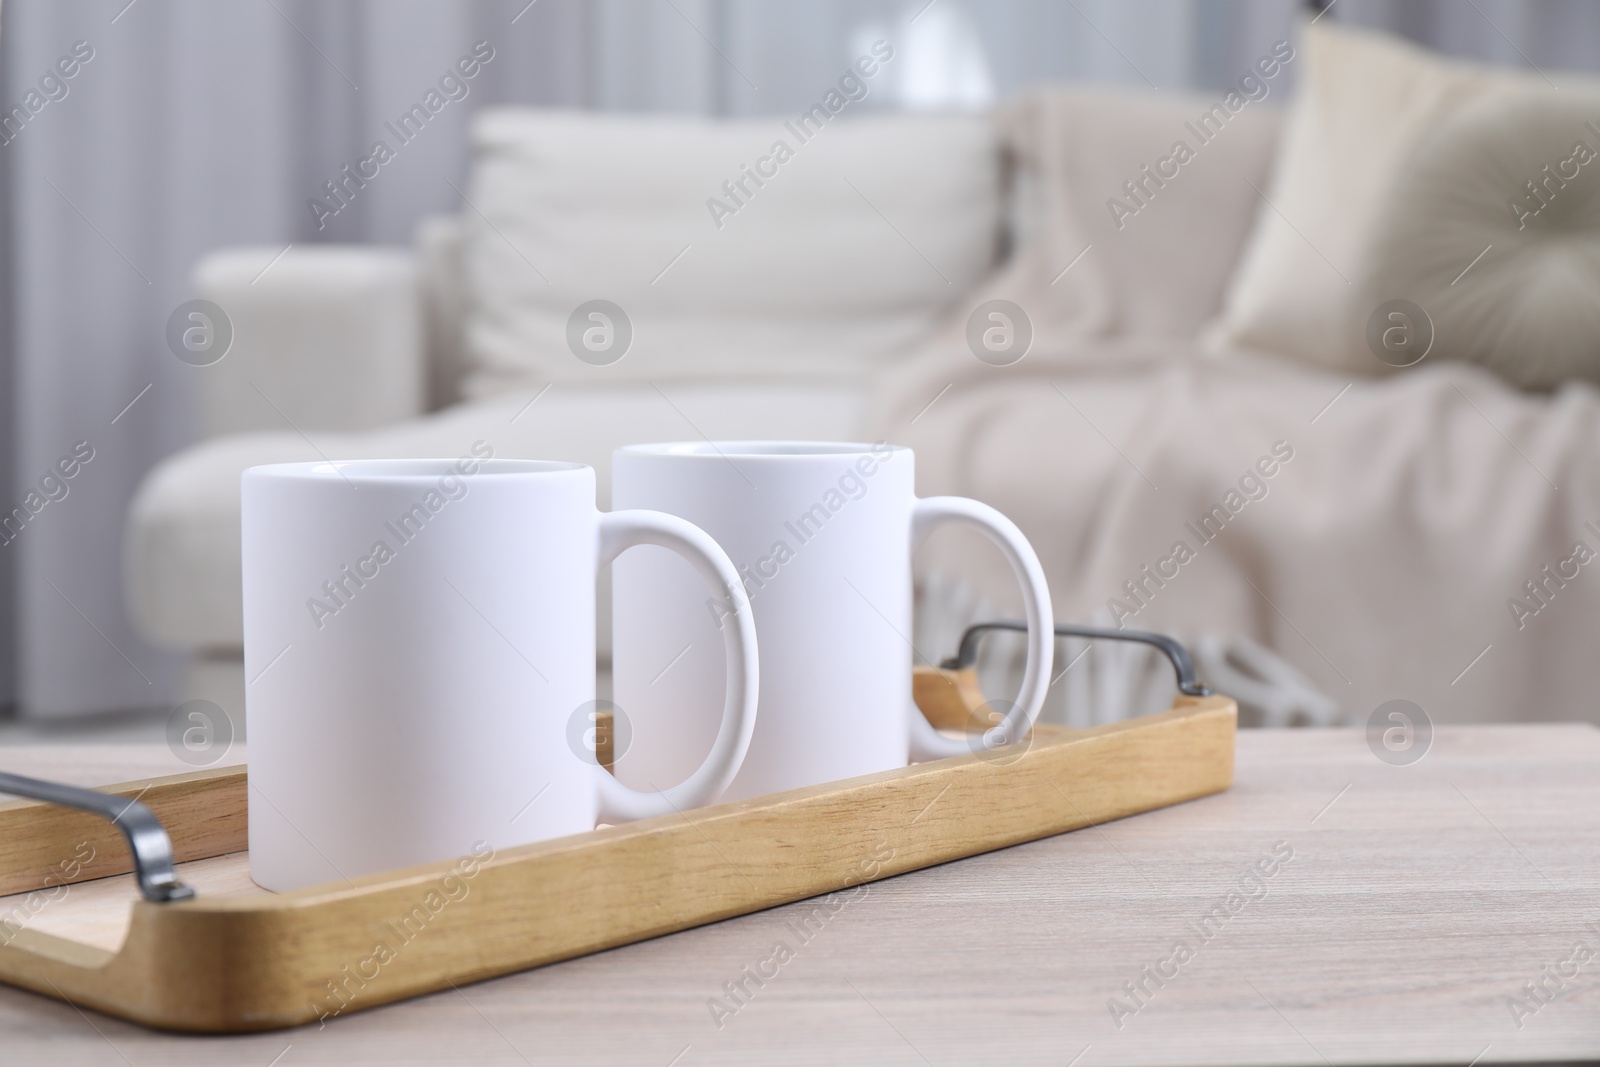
column 951, row 699
column 42, row 846
column 1419, row 899
column 98, row 913
column 233, row 963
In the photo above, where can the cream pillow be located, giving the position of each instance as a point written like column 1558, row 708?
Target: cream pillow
column 1492, row 229
column 1364, row 102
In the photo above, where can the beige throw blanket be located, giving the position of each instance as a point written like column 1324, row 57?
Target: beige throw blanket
column 1428, row 536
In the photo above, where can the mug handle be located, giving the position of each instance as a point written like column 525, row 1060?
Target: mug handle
column 926, row 742
column 622, row 530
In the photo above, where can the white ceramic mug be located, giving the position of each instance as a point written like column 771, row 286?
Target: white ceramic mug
column 420, row 661
column 823, row 535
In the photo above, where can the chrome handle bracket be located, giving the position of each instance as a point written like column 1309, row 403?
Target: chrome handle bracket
column 967, row 652
column 147, row 839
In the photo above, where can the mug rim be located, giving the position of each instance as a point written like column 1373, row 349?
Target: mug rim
column 420, row 469
column 757, row 450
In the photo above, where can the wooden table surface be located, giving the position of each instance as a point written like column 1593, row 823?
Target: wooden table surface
column 1417, row 903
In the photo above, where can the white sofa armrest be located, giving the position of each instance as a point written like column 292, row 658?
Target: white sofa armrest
column 441, row 244
column 326, row 337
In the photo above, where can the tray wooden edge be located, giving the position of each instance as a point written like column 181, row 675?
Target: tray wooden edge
column 42, row 846
column 262, row 963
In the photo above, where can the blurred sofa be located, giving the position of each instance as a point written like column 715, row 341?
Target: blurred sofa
column 767, row 325
column 618, row 279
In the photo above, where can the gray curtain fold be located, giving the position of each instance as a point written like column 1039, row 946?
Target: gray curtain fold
column 198, row 124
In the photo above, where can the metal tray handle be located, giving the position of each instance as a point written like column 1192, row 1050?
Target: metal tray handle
column 967, row 653
column 147, row 839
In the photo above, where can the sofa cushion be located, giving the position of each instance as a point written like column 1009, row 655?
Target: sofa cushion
column 1150, row 261
column 1492, row 230
column 181, row 542
column 845, row 252
column 1364, row 103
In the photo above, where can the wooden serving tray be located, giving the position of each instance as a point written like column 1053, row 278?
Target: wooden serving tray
column 236, row 958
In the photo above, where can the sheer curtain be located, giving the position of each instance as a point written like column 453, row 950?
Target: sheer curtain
column 191, row 125
column 188, row 125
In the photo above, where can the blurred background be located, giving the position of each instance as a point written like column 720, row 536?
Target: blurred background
column 189, row 127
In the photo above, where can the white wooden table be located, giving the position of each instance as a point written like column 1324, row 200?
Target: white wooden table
column 1418, row 902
